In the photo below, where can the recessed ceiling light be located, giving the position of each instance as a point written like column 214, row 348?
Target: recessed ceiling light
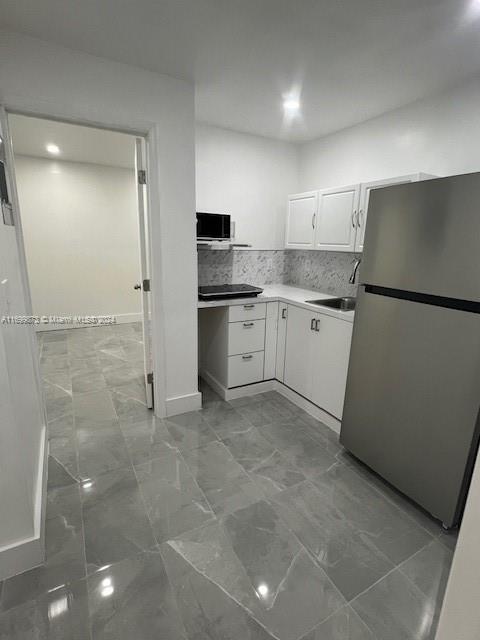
column 53, row 149
column 292, row 105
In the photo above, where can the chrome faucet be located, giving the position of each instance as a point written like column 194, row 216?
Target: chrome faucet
column 356, row 264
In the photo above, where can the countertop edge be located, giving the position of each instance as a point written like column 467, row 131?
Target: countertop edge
column 287, row 294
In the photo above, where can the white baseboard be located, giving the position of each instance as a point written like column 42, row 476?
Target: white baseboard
column 30, row 552
column 237, row 392
column 121, row 318
column 312, row 409
column 183, row 404
column 273, row 385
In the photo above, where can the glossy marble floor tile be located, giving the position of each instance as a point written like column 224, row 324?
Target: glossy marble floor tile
column 174, row 501
column 348, row 556
column 61, row 614
column 225, row 483
column 64, row 562
column 147, row 439
column 115, row 518
column 245, row 520
column 396, row 609
column 132, row 599
column 190, row 430
column 344, row 624
column 208, row 611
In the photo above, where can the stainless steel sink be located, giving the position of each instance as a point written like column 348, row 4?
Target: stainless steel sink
column 342, row 304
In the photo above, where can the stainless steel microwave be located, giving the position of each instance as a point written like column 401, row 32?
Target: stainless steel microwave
column 213, row 226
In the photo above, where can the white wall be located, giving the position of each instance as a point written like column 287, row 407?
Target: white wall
column 460, row 616
column 80, row 226
column 440, row 136
column 45, row 79
column 249, row 177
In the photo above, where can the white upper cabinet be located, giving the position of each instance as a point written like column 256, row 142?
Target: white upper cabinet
column 334, row 219
column 337, row 219
column 300, row 228
column 366, row 189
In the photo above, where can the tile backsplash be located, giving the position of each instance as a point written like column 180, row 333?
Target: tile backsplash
column 324, row 271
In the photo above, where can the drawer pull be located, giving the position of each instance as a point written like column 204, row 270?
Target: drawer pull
column 248, row 306
column 247, row 325
column 284, row 313
column 317, row 325
column 312, row 324
column 249, row 357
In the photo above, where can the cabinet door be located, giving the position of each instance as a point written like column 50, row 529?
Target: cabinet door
column 365, row 190
column 298, row 350
column 336, row 218
column 300, row 227
column 331, row 352
column 271, row 333
column 281, row 340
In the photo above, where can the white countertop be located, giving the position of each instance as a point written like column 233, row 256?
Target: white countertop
column 288, row 294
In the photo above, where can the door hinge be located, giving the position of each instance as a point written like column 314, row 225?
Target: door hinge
column 150, row 378
column 7, row 214
column 146, row 285
column 142, row 176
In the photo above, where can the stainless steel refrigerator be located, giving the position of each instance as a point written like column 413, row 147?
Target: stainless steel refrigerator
column 413, row 389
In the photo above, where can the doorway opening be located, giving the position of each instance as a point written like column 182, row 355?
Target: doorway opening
column 82, row 195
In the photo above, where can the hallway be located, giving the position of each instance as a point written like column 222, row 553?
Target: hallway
column 244, row 521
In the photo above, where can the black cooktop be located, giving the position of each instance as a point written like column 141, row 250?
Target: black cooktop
column 218, row 291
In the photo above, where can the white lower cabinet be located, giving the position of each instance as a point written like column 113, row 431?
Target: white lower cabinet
column 246, row 368
column 307, row 351
column 246, row 336
column 237, row 343
column 298, row 350
column 331, row 351
column 316, row 357
column 281, row 341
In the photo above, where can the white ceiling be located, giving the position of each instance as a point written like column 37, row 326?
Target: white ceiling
column 80, row 144
column 349, row 59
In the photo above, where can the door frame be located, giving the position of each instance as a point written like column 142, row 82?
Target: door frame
column 154, row 224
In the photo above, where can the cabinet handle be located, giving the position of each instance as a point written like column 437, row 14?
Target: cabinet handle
column 247, row 357
column 247, row 325
column 360, row 218
column 317, row 325
column 354, row 213
column 313, row 221
column 284, row 313
column 248, row 306
column 312, row 324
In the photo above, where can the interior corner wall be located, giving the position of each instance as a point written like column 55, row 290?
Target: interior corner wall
column 439, row 136
column 80, row 227
column 41, row 78
column 248, row 177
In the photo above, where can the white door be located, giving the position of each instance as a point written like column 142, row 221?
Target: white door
column 144, row 286
column 298, row 350
column 331, row 352
column 337, row 218
column 23, row 432
column 300, row 227
column 365, row 190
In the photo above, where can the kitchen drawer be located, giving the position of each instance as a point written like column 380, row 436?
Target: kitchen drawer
column 245, row 337
column 245, row 369
column 247, row 311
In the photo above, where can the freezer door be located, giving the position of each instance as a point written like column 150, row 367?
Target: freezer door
column 425, row 237
column 413, row 395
